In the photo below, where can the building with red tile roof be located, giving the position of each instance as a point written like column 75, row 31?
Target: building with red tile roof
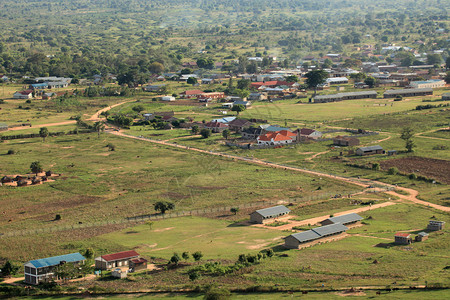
column 277, row 138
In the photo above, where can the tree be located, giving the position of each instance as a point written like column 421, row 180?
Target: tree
column 138, row 108
column 406, row 135
column 156, row 67
column 376, row 166
column 242, row 93
column 292, row 78
column 243, row 84
column 89, row 253
column 205, row 63
column 226, row 134
column 315, row 78
column 99, row 126
column 434, row 59
column 197, row 255
column 238, row 108
column 234, row 210
column 43, row 133
column 194, row 275
column 205, row 133
column 36, row 167
column 163, row 206
column 185, row 255
column 215, row 293
column 9, row 269
column 447, row 77
column 192, row 80
column 175, row 258
column 447, row 63
column 195, row 129
column 358, row 77
column 370, row 81
column 393, row 171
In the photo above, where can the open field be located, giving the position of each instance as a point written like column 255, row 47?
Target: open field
column 96, row 185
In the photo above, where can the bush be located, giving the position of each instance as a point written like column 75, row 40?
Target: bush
column 206, row 133
column 398, row 98
column 393, row 171
column 412, row 176
column 57, row 217
column 11, row 151
column 217, row 294
column 376, row 166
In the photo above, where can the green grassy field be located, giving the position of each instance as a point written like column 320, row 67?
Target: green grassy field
column 216, row 239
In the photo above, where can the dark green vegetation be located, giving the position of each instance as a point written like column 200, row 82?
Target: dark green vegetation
column 135, row 39
column 98, row 185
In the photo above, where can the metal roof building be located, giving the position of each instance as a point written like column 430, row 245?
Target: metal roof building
column 294, row 240
column 262, row 215
column 41, row 270
column 56, row 260
column 344, row 219
column 408, row 92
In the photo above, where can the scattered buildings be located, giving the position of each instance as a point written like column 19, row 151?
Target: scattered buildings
column 345, row 141
column 262, row 216
column 402, row 238
column 344, row 96
column 421, row 236
column 42, row 270
column 348, row 219
column 27, row 94
column 435, row 225
column 309, row 133
column 216, row 126
column 191, row 94
column 408, row 93
column 434, row 83
column 370, row 150
column 281, row 137
column 295, row 240
column 110, row 261
column 239, row 124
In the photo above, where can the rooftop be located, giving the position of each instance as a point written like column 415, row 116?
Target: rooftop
column 344, row 219
column 407, row 91
column 371, row 148
column 56, row 260
column 330, row 229
column 273, row 211
column 120, row 255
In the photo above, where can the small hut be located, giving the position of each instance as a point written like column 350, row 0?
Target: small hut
column 6, row 179
column 22, row 183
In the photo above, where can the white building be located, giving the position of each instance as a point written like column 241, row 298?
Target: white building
column 434, row 83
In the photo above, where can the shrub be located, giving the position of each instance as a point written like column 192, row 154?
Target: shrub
column 217, row 294
column 11, row 151
column 57, row 217
column 412, row 176
column 393, row 171
column 376, row 166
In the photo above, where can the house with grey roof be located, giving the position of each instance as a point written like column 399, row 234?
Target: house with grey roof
column 435, row 225
column 408, row 92
column 295, row 240
column 42, row 270
column 421, row 236
column 264, row 215
column 344, row 219
column 370, row 150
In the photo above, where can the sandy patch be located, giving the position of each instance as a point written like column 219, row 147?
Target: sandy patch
column 353, row 294
column 104, row 154
column 68, row 147
column 163, row 229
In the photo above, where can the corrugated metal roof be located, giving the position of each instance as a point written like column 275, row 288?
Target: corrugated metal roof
column 422, row 233
column 408, row 91
column 120, row 255
column 330, row 229
column 305, row 236
column 344, row 219
column 371, row 148
column 56, row 260
column 273, row 211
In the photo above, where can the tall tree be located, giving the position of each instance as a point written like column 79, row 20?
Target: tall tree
column 238, row 108
column 99, row 126
column 36, row 167
column 164, row 206
column 406, row 135
column 43, row 133
column 315, row 78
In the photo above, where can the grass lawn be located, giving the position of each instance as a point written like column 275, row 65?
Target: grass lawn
column 216, row 239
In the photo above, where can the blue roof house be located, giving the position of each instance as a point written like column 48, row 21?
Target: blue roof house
column 41, row 270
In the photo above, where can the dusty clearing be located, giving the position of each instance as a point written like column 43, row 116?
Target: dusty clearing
column 429, row 167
